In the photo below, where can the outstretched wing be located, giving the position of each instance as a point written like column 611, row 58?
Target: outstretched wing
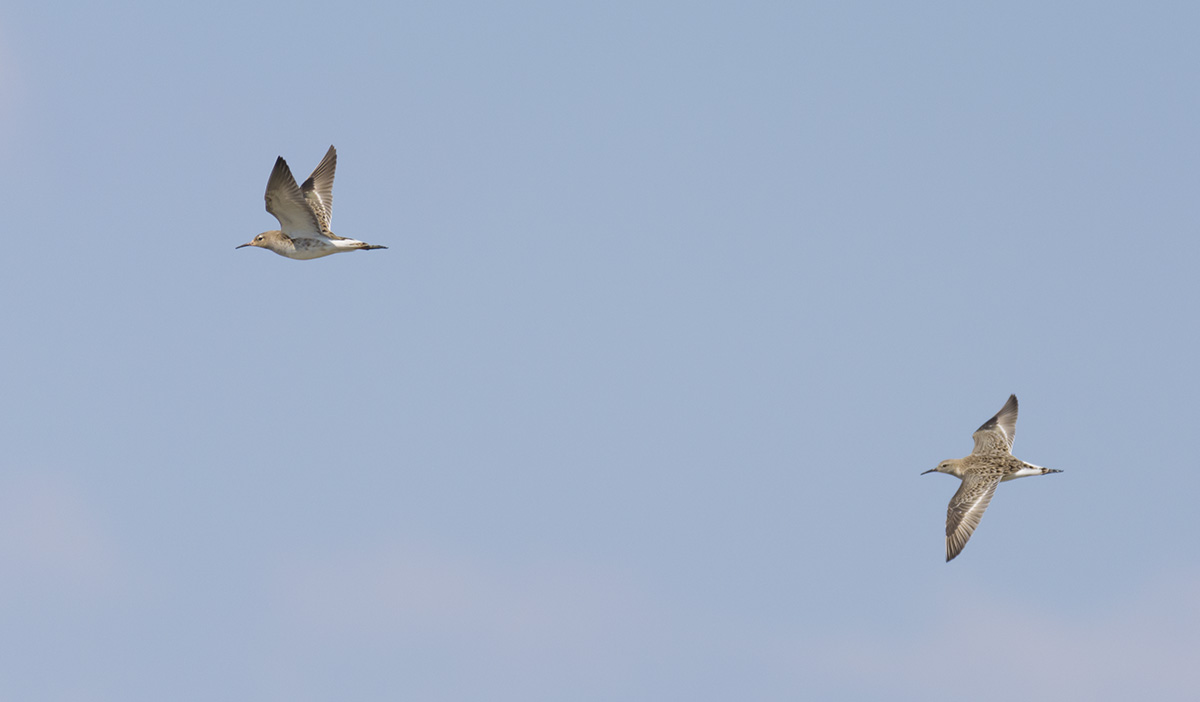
column 966, row 509
column 997, row 433
column 318, row 189
column 287, row 203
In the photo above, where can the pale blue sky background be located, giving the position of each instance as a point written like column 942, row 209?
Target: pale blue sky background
column 680, row 300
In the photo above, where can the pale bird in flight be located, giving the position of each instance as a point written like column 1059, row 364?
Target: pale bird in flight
column 304, row 214
column 990, row 464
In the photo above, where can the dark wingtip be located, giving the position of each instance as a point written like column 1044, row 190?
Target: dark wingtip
column 1011, row 404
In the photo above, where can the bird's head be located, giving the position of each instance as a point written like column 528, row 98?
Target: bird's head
column 262, row 240
column 950, row 466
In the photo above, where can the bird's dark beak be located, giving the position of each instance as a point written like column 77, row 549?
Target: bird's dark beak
column 242, row 246
column 931, row 470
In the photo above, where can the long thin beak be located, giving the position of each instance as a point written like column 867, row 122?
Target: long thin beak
column 931, row 470
column 242, row 246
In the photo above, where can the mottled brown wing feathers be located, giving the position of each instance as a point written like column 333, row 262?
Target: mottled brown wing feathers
column 997, row 433
column 318, row 189
column 966, row 509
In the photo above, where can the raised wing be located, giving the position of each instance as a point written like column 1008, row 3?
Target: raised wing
column 966, row 509
column 287, row 203
column 997, row 433
column 318, row 189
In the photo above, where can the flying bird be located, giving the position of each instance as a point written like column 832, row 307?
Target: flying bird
column 304, row 213
column 990, row 464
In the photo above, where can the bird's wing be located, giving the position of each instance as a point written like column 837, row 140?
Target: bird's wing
column 318, row 189
column 966, row 509
column 287, row 203
column 997, row 433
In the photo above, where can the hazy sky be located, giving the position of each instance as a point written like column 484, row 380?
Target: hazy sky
column 680, row 300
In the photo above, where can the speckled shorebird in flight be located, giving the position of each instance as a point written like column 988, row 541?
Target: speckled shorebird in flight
column 304, row 213
column 990, row 464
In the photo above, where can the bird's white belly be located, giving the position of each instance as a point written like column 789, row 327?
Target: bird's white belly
column 305, row 249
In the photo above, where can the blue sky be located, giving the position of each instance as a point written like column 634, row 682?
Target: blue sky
column 679, row 301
